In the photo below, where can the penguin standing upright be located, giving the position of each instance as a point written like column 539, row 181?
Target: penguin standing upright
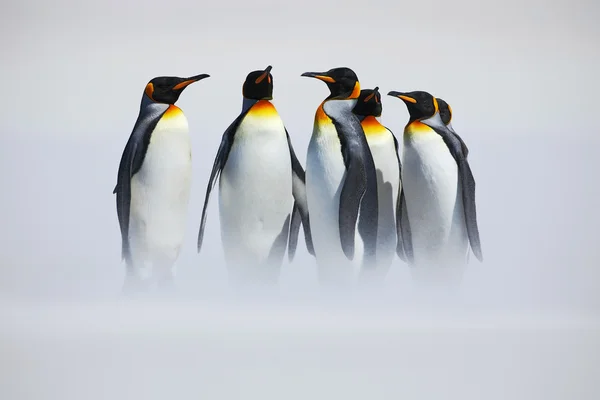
column 384, row 148
column 341, row 183
column 261, row 183
column 439, row 220
column 153, row 184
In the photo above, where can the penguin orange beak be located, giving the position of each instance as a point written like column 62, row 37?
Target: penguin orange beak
column 402, row 97
column 319, row 75
column 189, row 81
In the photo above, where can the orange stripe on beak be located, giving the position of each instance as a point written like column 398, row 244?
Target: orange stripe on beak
column 409, row 99
column 183, row 84
column 325, row 78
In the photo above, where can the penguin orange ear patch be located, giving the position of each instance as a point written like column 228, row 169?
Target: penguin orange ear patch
column 369, row 97
column 356, row 92
column 149, row 90
column 436, row 105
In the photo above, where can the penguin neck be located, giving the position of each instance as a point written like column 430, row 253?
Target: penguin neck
column 146, row 101
column 434, row 121
column 335, row 107
column 149, row 105
column 248, row 103
column 361, row 118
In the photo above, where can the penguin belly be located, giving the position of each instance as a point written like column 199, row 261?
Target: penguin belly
column 255, row 199
column 434, row 204
column 388, row 181
column 160, row 193
column 325, row 174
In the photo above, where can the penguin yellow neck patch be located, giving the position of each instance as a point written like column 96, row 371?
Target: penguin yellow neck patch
column 321, row 118
column 372, row 127
column 172, row 112
column 263, row 109
column 417, row 128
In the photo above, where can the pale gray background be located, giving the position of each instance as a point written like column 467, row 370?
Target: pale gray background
column 521, row 77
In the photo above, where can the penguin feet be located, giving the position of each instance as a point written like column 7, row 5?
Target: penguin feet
column 372, row 278
column 166, row 287
column 133, row 286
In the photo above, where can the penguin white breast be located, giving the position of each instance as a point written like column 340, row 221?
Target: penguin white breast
column 381, row 144
column 255, row 188
column 432, row 190
column 160, row 190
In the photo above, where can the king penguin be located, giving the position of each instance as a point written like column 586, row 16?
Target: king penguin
column 384, row 148
column 438, row 216
column 341, row 184
column 153, row 185
column 446, row 116
column 261, row 184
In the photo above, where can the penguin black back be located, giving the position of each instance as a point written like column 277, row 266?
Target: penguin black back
column 369, row 103
column 259, row 85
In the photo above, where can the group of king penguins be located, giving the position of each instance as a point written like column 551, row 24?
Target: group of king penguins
column 361, row 200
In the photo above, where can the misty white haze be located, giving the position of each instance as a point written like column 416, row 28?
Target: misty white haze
column 521, row 78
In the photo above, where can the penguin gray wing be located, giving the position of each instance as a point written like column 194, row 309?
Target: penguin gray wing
column 455, row 145
column 131, row 162
column 300, row 210
column 357, row 190
column 218, row 164
column 400, row 245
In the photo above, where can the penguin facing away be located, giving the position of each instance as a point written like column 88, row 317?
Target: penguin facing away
column 446, row 115
column 153, row 185
column 341, row 183
column 261, row 186
column 438, row 219
column 384, row 148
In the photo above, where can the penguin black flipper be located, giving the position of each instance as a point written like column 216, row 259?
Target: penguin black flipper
column 131, row 162
column 294, row 229
column 300, row 209
column 400, row 245
column 468, row 188
column 359, row 190
column 406, row 232
column 218, row 165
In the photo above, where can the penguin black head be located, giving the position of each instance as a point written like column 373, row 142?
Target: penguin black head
column 166, row 89
column 259, row 85
column 421, row 105
column 369, row 103
column 342, row 82
column 445, row 111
